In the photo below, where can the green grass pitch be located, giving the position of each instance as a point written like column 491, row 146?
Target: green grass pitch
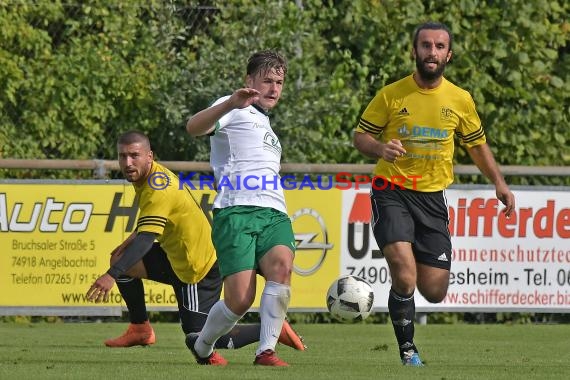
column 335, row 351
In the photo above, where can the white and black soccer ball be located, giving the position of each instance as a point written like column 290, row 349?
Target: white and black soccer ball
column 350, row 299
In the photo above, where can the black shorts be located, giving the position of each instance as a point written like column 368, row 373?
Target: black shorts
column 198, row 297
column 420, row 218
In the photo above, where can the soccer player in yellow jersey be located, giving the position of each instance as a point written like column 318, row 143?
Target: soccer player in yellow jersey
column 409, row 126
column 183, row 255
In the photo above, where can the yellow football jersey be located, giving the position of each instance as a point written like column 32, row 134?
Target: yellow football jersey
column 425, row 121
column 183, row 231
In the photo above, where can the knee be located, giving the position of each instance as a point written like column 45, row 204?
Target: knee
column 403, row 289
column 404, row 283
column 237, row 307
column 281, row 274
column 278, row 268
column 239, row 303
column 284, row 266
column 433, row 283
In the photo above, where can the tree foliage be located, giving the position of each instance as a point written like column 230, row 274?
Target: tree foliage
column 72, row 77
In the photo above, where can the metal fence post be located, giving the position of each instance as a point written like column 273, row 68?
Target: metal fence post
column 99, row 172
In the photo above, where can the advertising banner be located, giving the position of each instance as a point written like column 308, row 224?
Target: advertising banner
column 56, row 239
column 498, row 264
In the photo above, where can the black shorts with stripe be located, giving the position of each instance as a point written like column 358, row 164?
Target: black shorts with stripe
column 194, row 300
column 420, row 218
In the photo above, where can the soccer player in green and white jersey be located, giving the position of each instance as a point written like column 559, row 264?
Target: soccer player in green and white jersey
column 251, row 230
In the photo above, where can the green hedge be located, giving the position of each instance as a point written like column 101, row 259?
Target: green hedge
column 73, row 76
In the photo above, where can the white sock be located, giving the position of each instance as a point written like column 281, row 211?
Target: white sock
column 220, row 321
column 273, row 308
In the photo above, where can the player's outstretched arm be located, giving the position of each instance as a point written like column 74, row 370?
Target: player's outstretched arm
column 124, row 244
column 138, row 246
column 483, row 158
column 204, row 121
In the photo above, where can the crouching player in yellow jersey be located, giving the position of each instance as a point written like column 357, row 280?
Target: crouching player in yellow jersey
column 409, row 126
column 183, row 256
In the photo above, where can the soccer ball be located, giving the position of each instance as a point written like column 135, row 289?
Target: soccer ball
column 350, row 299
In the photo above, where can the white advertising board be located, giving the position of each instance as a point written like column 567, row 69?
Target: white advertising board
column 516, row 264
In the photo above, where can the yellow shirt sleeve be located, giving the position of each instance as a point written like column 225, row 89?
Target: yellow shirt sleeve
column 154, row 211
column 375, row 116
column 469, row 130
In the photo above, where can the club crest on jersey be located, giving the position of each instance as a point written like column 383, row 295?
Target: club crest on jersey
column 446, row 113
column 271, row 143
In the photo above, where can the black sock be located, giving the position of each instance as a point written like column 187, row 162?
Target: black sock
column 241, row 335
column 132, row 291
column 402, row 312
